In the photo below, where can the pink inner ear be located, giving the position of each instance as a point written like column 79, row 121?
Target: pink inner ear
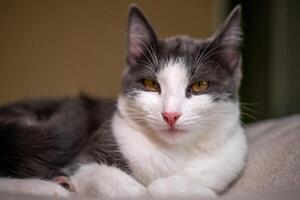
column 136, row 36
column 232, row 58
column 135, row 49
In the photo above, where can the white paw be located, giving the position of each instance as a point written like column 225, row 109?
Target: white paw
column 130, row 188
column 108, row 182
column 178, row 187
column 159, row 189
column 33, row 186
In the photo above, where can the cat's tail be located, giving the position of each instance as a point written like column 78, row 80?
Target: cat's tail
column 38, row 137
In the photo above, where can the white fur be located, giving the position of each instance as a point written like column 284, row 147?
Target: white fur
column 172, row 80
column 104, row 181
column 33, row 186
column 200, row 159
column 92, row 180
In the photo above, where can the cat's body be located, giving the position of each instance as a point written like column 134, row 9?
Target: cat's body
column 40, row 137
column 175, row 130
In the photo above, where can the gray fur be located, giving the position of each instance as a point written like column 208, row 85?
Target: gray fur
column 47, row 137
column 216, row 59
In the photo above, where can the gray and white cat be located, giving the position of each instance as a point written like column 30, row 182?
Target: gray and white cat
column 175, row 130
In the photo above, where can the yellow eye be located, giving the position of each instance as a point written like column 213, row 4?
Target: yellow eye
column 199, row 86
column 151, row 85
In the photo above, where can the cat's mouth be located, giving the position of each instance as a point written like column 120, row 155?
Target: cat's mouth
column 175, row 130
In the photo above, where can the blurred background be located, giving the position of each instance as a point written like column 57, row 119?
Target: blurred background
column 62, row 47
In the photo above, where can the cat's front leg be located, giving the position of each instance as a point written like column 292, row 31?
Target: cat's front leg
column 179, row 186
column 106, row 182
column 32, row 186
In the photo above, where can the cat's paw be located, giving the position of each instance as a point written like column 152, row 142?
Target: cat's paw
column 178, row 187
column 65, row 182
column 34, row 187
column 130, row 189
column 106, row 182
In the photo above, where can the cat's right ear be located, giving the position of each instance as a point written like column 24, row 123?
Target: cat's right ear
column 227, row 40
column 140, row 35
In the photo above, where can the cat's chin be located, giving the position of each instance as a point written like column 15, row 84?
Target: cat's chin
column 173, row 136
column 175, row 131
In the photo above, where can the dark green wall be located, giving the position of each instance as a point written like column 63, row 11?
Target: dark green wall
column 271, row 58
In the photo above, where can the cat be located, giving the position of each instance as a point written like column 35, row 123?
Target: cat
column 174, row 130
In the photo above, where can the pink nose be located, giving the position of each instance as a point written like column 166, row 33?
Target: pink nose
column 170, row 117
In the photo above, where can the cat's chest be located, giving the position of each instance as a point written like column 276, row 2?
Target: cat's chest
column 148, row 160
column 149, row 163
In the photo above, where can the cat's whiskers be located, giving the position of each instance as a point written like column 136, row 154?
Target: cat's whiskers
column 200, row 57
column 211, row 53
column 246, row 111
column 153, row 60
column 250, row 109
column 248, row 115
column 142, row 117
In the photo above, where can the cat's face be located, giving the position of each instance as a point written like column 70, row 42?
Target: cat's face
column 178, row 88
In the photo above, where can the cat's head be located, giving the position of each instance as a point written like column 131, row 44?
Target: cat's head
column 179, row 87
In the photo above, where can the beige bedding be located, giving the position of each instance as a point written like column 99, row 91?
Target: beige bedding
column 274, row 157
column 273, row 167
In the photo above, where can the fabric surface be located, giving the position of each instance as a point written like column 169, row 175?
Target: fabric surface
column 273, row 159
column 273, row 165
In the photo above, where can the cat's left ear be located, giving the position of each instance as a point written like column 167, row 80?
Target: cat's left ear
column 227, row 40
column 140, row 35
